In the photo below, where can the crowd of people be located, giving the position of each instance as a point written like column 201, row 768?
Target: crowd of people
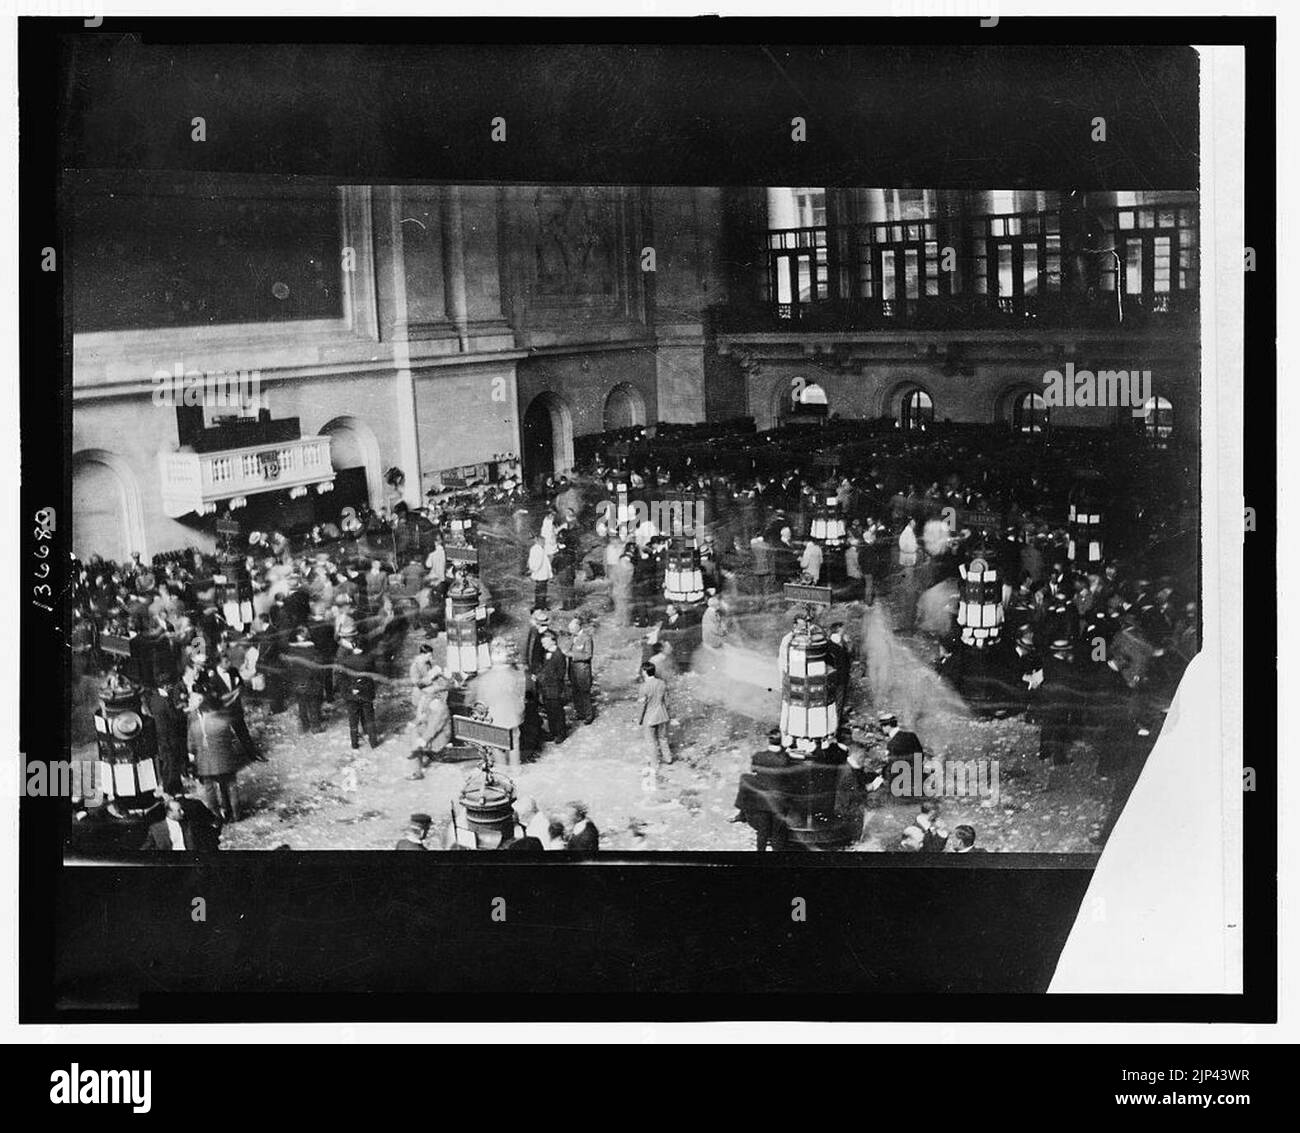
column 329, row 616
column 533, row 831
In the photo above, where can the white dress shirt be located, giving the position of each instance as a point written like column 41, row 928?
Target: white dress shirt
column 177, row 836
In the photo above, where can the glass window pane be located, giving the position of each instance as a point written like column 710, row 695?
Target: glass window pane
column 1006, row 285
column 912, row 272
column 783, row 292
column 805, row 278
column 1133, row 267
column 1029, row 273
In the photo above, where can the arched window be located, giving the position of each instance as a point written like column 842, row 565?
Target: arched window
column 1029, row 413
column 809, row 395
column 916, row 411
column 1158, row 418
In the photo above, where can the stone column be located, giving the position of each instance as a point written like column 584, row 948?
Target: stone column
column 408, row 437
column 453, row 263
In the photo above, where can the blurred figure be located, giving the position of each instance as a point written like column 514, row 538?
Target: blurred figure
column 580, row 833
column 305, row 676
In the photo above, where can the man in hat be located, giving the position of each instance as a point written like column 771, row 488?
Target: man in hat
column 550, row 687
column 358, row 690
column 901, row 746
column 432, row 718
column 212, row 743
column 417, row 830
column 1062, row 702
column 539, row 623
column 1026, row 670
column 761, row 793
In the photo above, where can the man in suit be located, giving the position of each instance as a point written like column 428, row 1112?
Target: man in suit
column 654, row 718
column 305, row 678
column 900, row 747
column 840, row 661
column 760, row 794
column 417, row 831
column 550, row 688
column 713, row 633
column 581, row 835
column 539, row 570
column 187, row 825
column 962, row 841
column 581, row 648
column 358, row 690
column 680, row 635
column 539, row 623
column 297, row 604
column 167, row 705
column 229, row 685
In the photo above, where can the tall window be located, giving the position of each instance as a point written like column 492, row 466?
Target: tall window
column 1158, row 418
column 810, row 207
column 1029, row 413
column 917, row 410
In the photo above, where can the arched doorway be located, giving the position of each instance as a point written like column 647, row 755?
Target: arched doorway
column 355, row 457
column 547, row 438
column 1029, row 412
column 107, row 516
column 916, row 410
column 624, row 407
column 798, row 399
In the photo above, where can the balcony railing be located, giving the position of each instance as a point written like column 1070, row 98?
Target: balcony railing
column 197, row 482
column 1099, row 268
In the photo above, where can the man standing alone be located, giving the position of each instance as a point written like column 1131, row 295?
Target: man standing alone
column 654, row 719
column 539, row 570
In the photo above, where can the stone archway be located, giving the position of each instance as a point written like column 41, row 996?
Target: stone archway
column 1023, row 407
column 547, row 437
column 624, row 407
column 353, row 444
column 892, row 402
column 107, row 511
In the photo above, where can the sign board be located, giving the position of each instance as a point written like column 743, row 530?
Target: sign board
column 990, row 520
column 812, row 595
column 227, row 526
column 457, row 554
column 116, row 645
column 477, row 732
